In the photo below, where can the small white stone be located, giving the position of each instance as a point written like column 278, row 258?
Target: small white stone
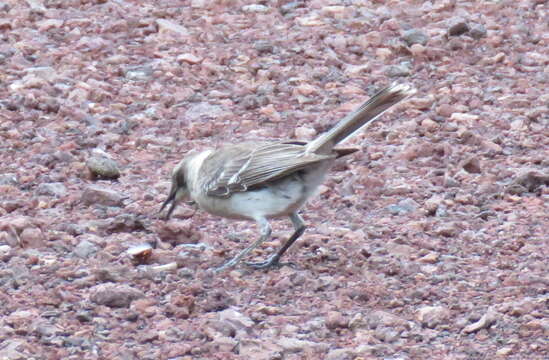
column 255, row 8
column 166, row 267
column 305, row 132
column 139, row 250
column 462, row 117
column 166, row 25
column 189, row 58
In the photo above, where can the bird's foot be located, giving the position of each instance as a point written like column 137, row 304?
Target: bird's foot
column 271, row 262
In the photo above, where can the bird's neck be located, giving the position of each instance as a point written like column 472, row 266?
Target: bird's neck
column 193, row 177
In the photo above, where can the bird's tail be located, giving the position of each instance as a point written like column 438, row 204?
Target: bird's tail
column 364, row 115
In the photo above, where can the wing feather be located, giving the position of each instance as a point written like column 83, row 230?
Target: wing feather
column 248, row 165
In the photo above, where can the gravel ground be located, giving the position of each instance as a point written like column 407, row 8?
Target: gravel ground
column 429, row 243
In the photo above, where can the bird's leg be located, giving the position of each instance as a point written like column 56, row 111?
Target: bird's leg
column 265, row 228
column 299, row 227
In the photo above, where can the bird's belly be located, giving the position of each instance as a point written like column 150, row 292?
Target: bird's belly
column 278, row 198
column 281, row 197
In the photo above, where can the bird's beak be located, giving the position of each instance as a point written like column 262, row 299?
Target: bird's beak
column 175, row 196
column 170, row 199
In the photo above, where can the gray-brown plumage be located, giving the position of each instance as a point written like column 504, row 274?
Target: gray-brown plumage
column 262, row 180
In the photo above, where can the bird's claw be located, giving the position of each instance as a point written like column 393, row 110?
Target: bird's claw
column 272, row 261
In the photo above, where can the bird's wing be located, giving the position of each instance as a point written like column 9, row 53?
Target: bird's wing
column 239, row 167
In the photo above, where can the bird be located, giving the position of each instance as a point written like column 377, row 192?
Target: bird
column 262, row 180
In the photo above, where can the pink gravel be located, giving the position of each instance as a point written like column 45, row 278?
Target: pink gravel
column 430, row 243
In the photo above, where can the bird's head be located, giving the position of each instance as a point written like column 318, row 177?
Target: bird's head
column 179, row 190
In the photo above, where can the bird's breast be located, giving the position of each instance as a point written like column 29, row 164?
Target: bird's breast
column 279, row 198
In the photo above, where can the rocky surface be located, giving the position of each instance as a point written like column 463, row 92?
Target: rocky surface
column 430, row 243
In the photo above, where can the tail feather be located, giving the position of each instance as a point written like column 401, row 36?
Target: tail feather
column 364, row 115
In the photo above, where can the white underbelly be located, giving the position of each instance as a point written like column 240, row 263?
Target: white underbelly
column 279, row 198
column 275, row 200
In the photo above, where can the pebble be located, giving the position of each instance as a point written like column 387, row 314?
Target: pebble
column 95, row 194
column 335, row 319
column 290, row 7
column 263, row 46
column 341, row 354
column 504, row 351
column 430, row 258
column 139, row 73
column 255, row 8
column 115, row 295
column 432, row 316
column 305, row 132
column 203, row 110
column 165, row 267
column 8, row 179
column 432, row 204
column 403, row 207
column 491, row 146
column 117, row 59
column 85, row 249
column 477, row 31
column 102, row 166
column 398, row 71
column 14, row 349
column 293, row 345
column 447, row 230
column 140, row 253
column 417, row 49
column 472, row 165
column 333, row 10
column 311, row 20
column 189, row 58
column 429, row 125
column 236, row 318
column 52, row 189
column 415, row 36
column 32, row 237
column 170, row 26
column 84, row 316
column 422, row 102
column 487, row 320
column 457, row 26
column 382, row 53
column 306, row 89
column 465, row 118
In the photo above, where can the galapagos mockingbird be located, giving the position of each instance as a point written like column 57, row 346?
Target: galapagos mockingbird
column 262, row 180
